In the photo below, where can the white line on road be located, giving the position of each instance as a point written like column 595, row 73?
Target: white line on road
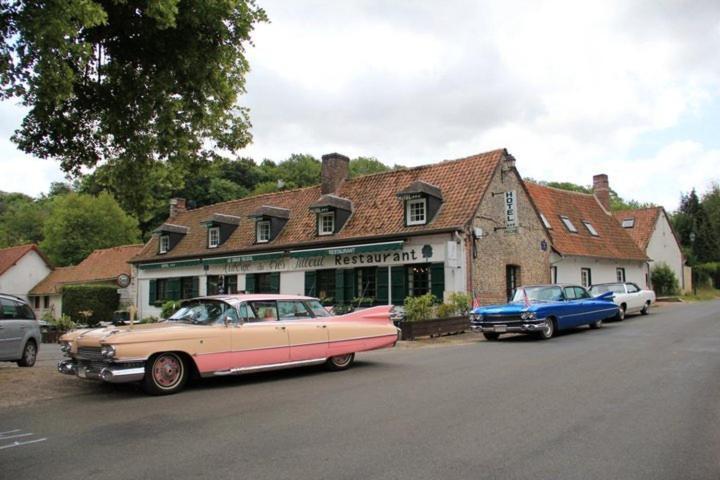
column 15, row 436
column 20, row 444
column 10, row 431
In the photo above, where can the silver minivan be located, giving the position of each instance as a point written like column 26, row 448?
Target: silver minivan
column 19, row 332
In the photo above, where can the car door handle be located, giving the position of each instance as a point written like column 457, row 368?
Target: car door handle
column 321, row 326
column 280, row 328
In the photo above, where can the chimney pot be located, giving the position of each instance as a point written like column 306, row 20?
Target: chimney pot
column 601, row 189
column 177, row 205
column 335, row 170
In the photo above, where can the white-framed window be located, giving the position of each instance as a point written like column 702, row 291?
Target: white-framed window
column 620, row 274
column 628, row 223
column 213, row 237
column 585, row 277
column 164, row 243
column 568, row 224
column 326, row 223
column 545, row 222
column 263, row 231
column 590, row 228
column 416, row 211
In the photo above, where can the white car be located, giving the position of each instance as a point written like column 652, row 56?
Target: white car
column 628, row 296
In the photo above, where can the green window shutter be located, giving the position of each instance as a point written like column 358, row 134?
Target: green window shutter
column 437, row 280
column 195, row 287
column 398, row 285
column 275, row 282
column 350, row 285
column 382, row 286
column 174, row 288
column 311, row 284
column 250, row 283
column 340, row 288
column 152, row 298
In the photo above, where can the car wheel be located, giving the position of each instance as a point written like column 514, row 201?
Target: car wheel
column 621, row 313
column 29, row 355
column 491, row 336
column 596, row 324
column 645, row 309
column 340, row 362
column 548, row 331
column 165, row 373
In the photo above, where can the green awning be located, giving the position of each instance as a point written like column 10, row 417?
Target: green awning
column 348, row 250
column 178, row 264
column 243, row 258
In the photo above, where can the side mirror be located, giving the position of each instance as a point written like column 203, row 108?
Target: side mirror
column 227, row 320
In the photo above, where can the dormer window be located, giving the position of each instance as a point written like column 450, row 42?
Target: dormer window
column 628, row 223
column 169, row 235
column 263, row 231
column 590, row 228
column 568, row 224
column 422, row 202
column 213, row 237
column 326, row 223
column 269, row 222
column 332, row 212
column 416, row 211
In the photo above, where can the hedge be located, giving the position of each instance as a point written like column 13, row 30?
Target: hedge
column 90, row 304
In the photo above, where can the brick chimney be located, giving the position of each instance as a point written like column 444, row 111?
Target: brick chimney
column 601, row 189
column 335, row 170
column 177, row 205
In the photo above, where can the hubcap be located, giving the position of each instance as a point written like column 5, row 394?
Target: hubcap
column 30, row 353
column 342, row 360
column 167, row 370
column 548, row 330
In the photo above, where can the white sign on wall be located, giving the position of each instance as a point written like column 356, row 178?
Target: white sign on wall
column 511, row 216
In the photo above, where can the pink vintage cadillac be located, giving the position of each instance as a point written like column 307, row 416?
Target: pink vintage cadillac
column 226, row 335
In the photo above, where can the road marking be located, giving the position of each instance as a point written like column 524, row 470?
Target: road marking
column 20, row 444
column 10, row 431
column 15, row 436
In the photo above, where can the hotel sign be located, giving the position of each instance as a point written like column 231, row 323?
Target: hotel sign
column 511, row 216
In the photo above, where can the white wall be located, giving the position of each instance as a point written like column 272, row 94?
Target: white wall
column 24, row 275
column 292, row 283
column 602, row 271
column 664, row 248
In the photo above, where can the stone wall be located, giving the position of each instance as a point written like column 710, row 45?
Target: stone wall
column 528, row 247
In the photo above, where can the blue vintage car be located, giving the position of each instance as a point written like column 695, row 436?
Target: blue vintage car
column 543, row 310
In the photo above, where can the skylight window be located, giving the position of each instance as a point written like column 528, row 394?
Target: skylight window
column 568, row 224
column 545, row 222
column 628, row 223
column 590, row 228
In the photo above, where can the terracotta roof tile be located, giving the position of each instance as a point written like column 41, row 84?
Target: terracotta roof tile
column 101, row 265
column 645, row 221
column 612, row 241
column 11, row 255
column 377, row 212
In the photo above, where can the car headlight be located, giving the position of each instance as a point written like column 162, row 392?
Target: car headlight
column 65, row 347
column 476, row 317
column 107, row 351
column 528, row 316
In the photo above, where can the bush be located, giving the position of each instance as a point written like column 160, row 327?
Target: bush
column 90, row 304
column 419, row 308
column 707, row 274
column 168, row 308
column 663, row 280
column 150, row 319
column 62, row 324
column 446, row 310
column 461, row 302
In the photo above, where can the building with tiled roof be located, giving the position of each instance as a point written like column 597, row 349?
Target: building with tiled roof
column 21, row 268
column 451, row 226
column 589, row 245
column 102, row 266
column 652, row 232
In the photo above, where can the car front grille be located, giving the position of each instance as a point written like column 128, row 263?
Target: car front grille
column 90, row 353
column 501, row 318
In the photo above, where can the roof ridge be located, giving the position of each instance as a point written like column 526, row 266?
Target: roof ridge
column 235, row 200
column 24, row 245
column 559, row 189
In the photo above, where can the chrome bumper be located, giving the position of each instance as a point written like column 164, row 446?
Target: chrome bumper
column 111, row 373
column 510, row 327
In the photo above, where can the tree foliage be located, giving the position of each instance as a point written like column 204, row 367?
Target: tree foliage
column 127, row 80
column 79, row 224
column 697, row 223
column 90, row 304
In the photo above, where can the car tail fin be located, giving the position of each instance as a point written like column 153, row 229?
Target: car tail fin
column 374, row 315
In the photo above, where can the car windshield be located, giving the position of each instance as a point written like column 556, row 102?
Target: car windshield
column 538, row 294
column 318, row 309
column 201, row 313
column 615, row 288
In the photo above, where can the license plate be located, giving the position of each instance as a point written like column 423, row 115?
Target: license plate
column 500, row 328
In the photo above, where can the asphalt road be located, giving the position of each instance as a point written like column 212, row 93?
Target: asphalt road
column 634, row 400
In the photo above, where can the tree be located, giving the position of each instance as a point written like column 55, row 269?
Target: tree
column 132, row 81
column 694, row 227
column 366, row 165
column 79, row 224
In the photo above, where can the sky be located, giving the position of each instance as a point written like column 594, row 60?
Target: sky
column 571, row 88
